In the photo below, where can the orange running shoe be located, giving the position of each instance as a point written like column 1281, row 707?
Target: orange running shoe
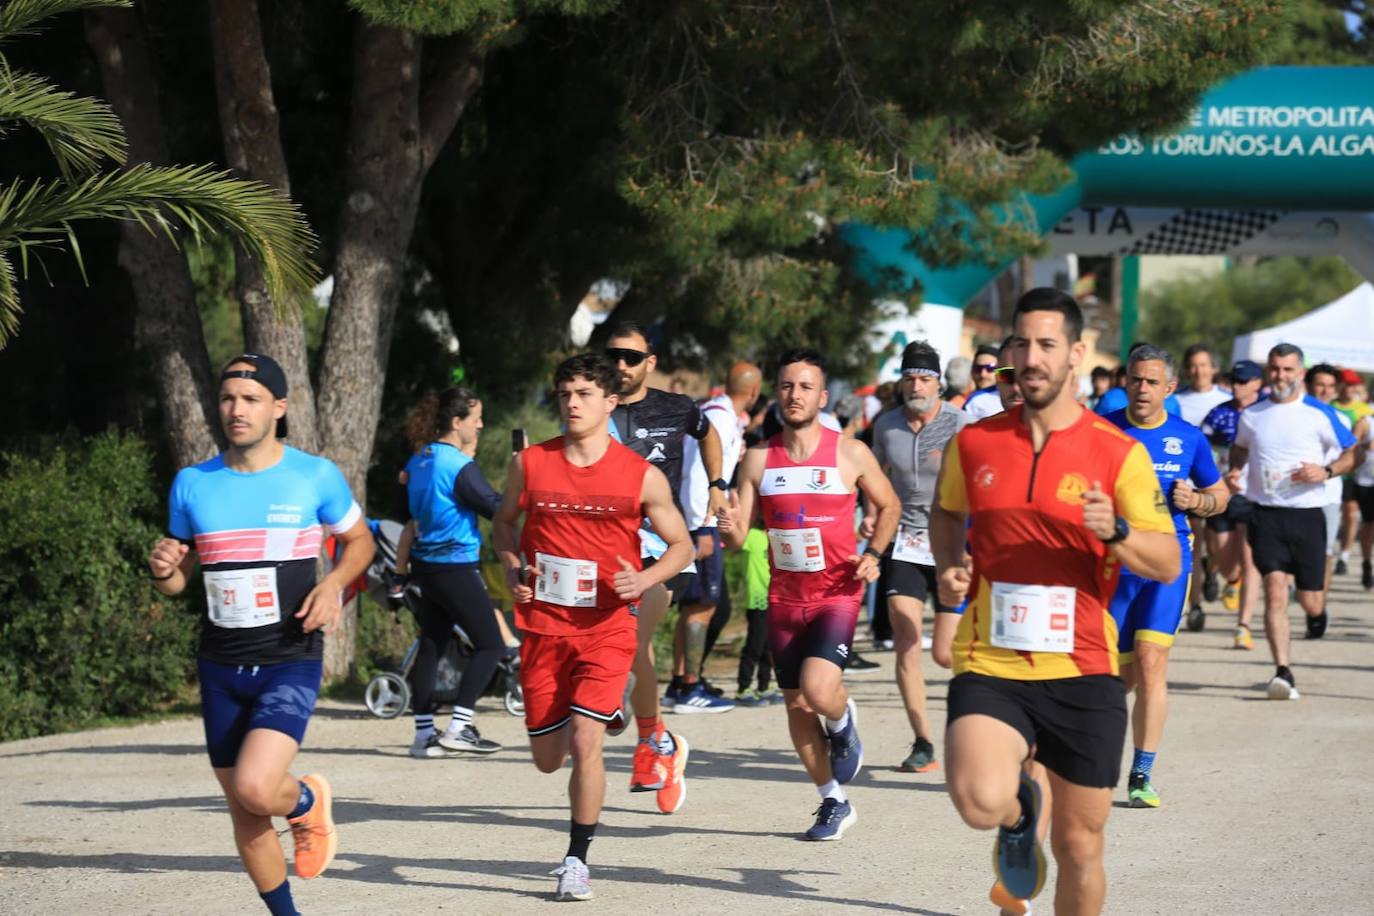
column 313, row 832
column 645, row 776
column 1006, row 903
column 674, row 790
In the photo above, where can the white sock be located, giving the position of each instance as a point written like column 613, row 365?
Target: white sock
column 835, row 726
column 1345, row 556
column 424, row 726
column 833, row 790
column 461, row 716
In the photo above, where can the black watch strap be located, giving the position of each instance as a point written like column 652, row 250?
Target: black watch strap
column 869, row 551
column 720, row 484
column 1122, row 531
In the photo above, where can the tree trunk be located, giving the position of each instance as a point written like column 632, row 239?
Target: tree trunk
column 252, row 145
column 168, row 320
column 394, row 136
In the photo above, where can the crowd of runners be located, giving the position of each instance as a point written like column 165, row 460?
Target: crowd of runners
column 1061, row 526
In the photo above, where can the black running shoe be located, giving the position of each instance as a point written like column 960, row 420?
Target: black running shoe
column 1341, row 567
column 1196, row 618
column 857, row 662
column 1316, row 626
column 1211, row 588
column 1367, row 575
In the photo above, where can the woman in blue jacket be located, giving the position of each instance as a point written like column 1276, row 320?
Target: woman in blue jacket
column 446, row 492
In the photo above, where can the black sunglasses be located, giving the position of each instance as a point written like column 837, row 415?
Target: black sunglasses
column 627, row 356
column 984, row 367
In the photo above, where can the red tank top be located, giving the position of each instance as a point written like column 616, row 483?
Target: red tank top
column 577, row 522
column 809, row 514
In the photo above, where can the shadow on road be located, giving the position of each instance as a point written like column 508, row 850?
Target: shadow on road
column 774, row 884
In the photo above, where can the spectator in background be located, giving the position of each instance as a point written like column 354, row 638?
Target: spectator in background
column 1102, row 382
column 958, row 380
column 984, row 402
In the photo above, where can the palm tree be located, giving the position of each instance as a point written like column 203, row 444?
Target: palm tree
column 89, row 147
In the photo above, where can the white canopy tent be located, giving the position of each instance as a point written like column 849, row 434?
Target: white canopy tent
column 1340, row 333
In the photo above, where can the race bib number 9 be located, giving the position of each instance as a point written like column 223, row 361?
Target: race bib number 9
column 238, row 599
column 1033, row 618
column 913, row 546
column 797, row 549
column 570, row 583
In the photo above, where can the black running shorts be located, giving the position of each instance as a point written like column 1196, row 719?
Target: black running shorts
column 1238, row 510
column 1075, row 726
column 1365, row 497
column 1285, row 539
column 905, row 579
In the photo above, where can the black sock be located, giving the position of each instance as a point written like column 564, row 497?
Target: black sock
column 579, row 838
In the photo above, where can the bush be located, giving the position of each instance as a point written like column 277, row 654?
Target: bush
column 83, row 633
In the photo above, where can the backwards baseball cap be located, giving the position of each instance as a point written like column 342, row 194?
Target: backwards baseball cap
column 266, row 373
column 919, row 358
column 1246, row 370
column 1351, row 377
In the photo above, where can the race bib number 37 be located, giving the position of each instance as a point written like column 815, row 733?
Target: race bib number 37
column 242, row 598
column 1033, row 618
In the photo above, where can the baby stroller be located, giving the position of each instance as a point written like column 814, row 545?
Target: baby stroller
column 388, row 694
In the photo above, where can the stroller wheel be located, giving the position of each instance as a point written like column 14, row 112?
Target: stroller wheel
column 515, row 700
column 387, row 695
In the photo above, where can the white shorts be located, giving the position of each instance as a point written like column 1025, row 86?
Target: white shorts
column 1333, row 526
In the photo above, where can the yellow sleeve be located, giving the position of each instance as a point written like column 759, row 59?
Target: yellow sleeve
column 1139, row 500
column 953, row 496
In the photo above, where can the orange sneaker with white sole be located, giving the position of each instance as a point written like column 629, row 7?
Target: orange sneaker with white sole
column 644, row 775
column 674, row 766
column 313, row 832
column 1006, row 903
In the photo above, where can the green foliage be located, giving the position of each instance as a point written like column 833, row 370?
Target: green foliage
column 490, row 22
column 83, row 634
column 38, row 214
column 383, row 638
column 1214, row 310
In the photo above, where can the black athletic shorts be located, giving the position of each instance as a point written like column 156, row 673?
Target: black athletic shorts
column 677, row 583
column 1365, row 497
column 1285, row 539
column 703, row 589
column 1075, row 726
column 906, row 579
column 1348, row 488
column 1238, row 510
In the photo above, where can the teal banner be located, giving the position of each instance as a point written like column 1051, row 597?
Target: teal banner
column 1287, row 138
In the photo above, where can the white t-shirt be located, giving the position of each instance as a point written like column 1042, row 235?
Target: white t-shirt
column 695, row 493
column 1280, row 438
column 985, row 402
column 1195, row 405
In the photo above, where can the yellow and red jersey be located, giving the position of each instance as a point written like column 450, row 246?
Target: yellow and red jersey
column 1027, row 528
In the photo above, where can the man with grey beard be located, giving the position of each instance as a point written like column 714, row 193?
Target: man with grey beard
column 909, row 444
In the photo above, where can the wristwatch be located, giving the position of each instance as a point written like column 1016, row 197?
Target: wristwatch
column 1122, row 531
column 719, row 484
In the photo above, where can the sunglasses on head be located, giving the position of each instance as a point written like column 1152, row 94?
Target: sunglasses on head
column 984, row 367
column 1006, row 374
column 627, row 356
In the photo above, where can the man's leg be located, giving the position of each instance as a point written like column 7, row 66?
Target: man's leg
column 695, row 620
column 905, row 614
column 983, row 758
column 1077, row 837
column 587, row 784
column 1276, row 628
column 644, row 697
column 258, row 788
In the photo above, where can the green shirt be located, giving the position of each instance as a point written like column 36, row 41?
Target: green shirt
column 756, row 571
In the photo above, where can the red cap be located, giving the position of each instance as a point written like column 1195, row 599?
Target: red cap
column 1351, row 377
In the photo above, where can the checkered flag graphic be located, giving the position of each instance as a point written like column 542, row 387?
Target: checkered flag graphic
column 1204, row 232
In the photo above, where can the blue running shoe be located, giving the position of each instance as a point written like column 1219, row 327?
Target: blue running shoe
column 846, row 750
column 700, row 700
column 833, row 818
column 670, row 698
column 1018, row 859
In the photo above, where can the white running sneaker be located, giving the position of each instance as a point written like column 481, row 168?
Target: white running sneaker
column 1280, row 688
column 429, row 746
column 574, row 880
